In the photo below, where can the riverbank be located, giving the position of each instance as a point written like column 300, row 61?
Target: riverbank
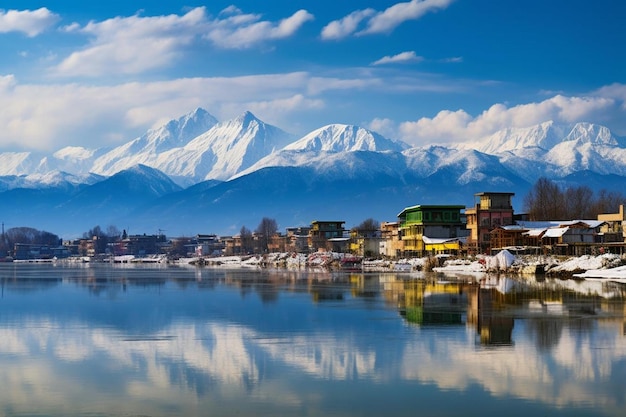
column 607, row 265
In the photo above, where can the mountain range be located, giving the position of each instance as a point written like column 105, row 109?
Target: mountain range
column 196, row 174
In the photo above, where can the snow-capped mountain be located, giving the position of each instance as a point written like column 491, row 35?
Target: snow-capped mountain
column 242, row 168
column 224, row 150
column 544, row 136
column 345, row 138
column 324, row 148
column 18, row 163
column 147, row 148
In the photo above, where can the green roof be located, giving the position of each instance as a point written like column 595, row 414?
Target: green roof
column 425, row 207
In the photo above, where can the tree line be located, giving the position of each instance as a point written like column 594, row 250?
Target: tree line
column 547, row 200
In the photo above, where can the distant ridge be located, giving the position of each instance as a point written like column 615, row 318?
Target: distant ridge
column 196, row 174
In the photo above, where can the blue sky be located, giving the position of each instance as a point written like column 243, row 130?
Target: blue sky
column 423, row 71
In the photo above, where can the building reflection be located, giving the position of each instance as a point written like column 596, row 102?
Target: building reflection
column 428, row 303
column 484, row 312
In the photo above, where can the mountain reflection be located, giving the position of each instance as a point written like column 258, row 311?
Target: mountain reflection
column 168, row 337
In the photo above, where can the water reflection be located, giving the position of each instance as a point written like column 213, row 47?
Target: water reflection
column 163, row 341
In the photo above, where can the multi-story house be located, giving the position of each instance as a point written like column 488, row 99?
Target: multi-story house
column 298, row 239
column 490, row 211
column 391, row 244
column 365, row 242
column 614, row 228
column 423, row 227
column 326, row 235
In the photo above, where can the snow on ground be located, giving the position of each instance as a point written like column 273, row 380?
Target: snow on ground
column 604, row 266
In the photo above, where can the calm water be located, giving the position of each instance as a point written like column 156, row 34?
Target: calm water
column 101, row 340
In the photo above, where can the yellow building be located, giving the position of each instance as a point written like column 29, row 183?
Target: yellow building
column 439, row 224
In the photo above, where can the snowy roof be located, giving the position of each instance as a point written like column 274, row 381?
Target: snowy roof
column 535, row 232
column 559, row 223
column 556, row 232
column 512, row 227
column 435, row 240
column 591, row 223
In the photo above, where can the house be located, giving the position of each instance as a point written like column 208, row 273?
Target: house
column 277, row 243
column 365, row 242
column 28, row 251
column 492, row 209
column 509, row 237
column 297, row 239
column 140, row 245
column 207, row 245
column 570, row 237
column 326, row 235
column 434, row 222
column 391, row 244
column 613, row 229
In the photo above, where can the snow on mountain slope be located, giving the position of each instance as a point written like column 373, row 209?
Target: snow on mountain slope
column 456, row 166
column 345, row 138
column 462, row 166
column 581, row 155
column 544, row 136
column 18, row 163
column 332, row 147
column 591, row 133
column 224, row 150
column 146, row 149
column 71, row 159
column 553, row 150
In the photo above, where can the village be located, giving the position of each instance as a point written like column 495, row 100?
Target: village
column 420, row 232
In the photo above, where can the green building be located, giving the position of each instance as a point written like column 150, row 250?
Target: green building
column 442, row 225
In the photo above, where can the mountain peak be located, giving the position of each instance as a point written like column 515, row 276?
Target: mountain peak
column 544, row 136
column 345, row 138
column 246, row 118
column 591, row 133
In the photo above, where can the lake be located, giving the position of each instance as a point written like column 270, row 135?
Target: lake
column 132, row 340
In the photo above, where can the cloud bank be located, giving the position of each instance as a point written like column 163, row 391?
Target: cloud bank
column 29, row 22
column 136, row 44
column 459, row 126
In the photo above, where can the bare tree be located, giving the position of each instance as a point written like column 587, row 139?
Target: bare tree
column 368, row 227
column 545, row 201
column 578, row 202
column 113, row 232
column 99, row 237
column 30, row 236
column 608, row 202
column 246, row 239
column 265, row 230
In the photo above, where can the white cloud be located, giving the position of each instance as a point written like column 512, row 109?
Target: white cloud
column 339, row 29
column 402, row 57
column 49, row 117
column 29, row 22
column 131, row 45
column 136, row 44
column 7, row 82
column 381, row 22
column 458, row 126
column 385, row 127
column 399, row 13
column 240, row 31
